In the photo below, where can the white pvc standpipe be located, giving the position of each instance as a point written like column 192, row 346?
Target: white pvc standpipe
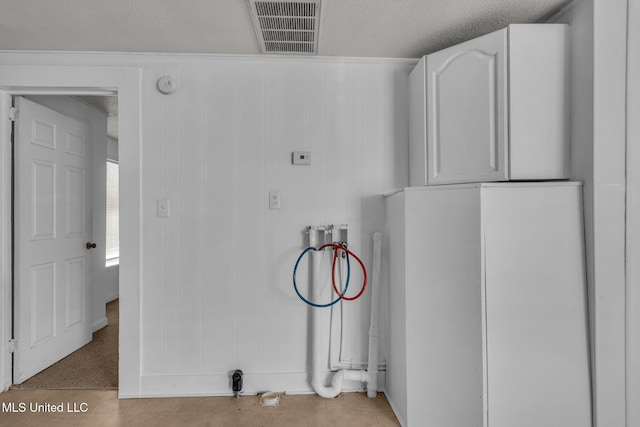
column 370, row 377
column 372, row 370
column 316, row 329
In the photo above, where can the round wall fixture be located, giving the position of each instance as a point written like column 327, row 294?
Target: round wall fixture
column 166, row 85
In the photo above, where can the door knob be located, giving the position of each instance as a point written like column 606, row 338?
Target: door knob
column 90, row 245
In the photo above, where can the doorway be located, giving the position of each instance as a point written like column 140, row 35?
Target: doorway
column 64, row 151
column 83, row 80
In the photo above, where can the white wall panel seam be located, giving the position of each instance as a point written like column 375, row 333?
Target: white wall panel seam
column 279, row 247
column 324, row 140
column 176, row 220
column 361, row 153
column 183, row 145
column 202, row 214
column 164, row 233
column 354, row 184
column 308, row 145
column 271, row 235
column 262, row 218
column 179, row 283
column 191, row 221
column 386, row 103
column 349, row 142
column 168, row 231
column 235, row 248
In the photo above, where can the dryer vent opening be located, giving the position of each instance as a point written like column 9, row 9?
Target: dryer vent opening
column 286, row 27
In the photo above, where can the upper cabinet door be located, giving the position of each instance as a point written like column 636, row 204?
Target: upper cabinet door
column 467, row 112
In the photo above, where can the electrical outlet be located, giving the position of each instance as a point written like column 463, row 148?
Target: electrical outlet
column 274, row 200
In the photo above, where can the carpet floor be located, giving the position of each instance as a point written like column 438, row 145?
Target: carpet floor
column 94, row 366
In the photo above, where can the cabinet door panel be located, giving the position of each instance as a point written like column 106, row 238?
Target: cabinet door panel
column 537, row 348
column 467, row 108
column 443, row 310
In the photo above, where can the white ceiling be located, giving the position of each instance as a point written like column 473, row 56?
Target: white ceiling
column 369, row 28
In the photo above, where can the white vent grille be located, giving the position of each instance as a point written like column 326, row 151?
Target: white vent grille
column 286, row 26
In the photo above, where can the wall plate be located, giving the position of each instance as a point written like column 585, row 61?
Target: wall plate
column 301, row 158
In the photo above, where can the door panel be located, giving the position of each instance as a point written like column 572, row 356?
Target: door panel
column 43, row 205
column 43, row 134
column 75, row 199
column 43, row 321
column 76, row 144
column 466, row 139
column 52, row 226
column 74, row 292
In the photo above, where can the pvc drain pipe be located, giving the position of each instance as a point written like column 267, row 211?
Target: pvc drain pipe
column 370, row 377
column 372, row 370
column 316, row 347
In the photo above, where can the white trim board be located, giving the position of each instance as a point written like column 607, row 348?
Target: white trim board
column 633, row 216
column 67, row 80
column 163, row 57
column 599, row 73
column 5, row 243
column 210, row 385
column 609, row 194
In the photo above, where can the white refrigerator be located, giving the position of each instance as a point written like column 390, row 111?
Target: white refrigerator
column 488, row 309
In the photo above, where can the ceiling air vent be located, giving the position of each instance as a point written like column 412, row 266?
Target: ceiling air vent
column 286, row 26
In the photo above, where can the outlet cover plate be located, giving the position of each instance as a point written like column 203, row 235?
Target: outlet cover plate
column 274, row 200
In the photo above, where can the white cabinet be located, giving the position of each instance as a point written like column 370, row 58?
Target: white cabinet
column 491, row 109
column 488, row 306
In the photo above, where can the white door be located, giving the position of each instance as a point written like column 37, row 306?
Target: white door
column 52, row 226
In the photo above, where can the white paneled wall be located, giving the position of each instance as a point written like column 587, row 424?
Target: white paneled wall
column 217, row 292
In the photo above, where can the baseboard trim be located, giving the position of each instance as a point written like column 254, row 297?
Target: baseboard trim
column 99, row 324
column 395, row 409
column 220, row 384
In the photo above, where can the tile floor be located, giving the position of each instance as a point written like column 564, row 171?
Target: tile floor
column 105, row 409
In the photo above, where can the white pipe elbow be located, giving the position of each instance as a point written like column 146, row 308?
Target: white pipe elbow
column 328, row 392
column 337, row 383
